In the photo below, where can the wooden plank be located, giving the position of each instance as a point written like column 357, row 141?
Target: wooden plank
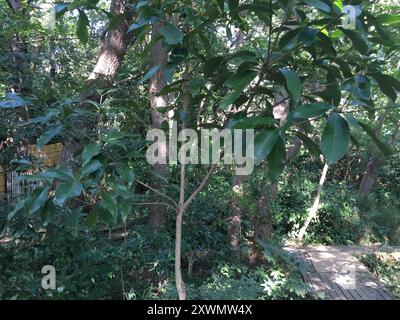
column 336, row 293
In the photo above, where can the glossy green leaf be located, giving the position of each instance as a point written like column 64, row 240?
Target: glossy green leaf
column 276, row 160
column 90, row 167
column 48, row 135
column 358, row 41
column 90, row 151
column 172, row 35
column 264, row 143
column 82, row 28
column 48, row 211
column 389, row 19
column 335, row 139
column 293, row 83
column 67, row 190
column 240, row 81
column 151, row 72
column 13, row 100
column 312, row 110
column 230, row 99
column 36, row 199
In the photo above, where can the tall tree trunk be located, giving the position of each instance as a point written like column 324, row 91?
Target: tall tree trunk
column 369, row 176
column 158, row 57
column 19, row 49
column 269, row 191
column 312, row 214
column 113, row 46
column 373, row 165
column 235, row 216
column 235, row 207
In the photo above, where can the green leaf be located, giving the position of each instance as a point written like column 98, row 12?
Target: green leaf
column 264, row 143
column 127, row 174
column 243, row 56
column 36, row 199
column 358, row 41
column 335, row 138
column 13, row 100
column 388, row 85
column 17, row 208
column 72, row 221
column 124, row 208
column 138, row 25
column 276, row 160
column 232, row 4
column 90, row 151
column 309, row 143
column 91, row 218
column 151, row 72
column 230, row 99
column 307, row 36
column 47, row 213
column 60, row 9
column 240, row 81
column 318, row 5
column 104, row 215
column 172, row 35
column 112, row 136
column 50, row 175
column 47, row 136
column 195, row 86
column 389, row 19
column 91, row 167
column 293, row 83
column 110, row 204
column 383, row 147
column 115, row 22
column 252, row 123
column 82, row 30
column 312, row 110
column 67, row 190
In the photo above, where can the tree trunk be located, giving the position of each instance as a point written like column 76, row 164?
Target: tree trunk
column 368, row 179
column 158, row 56
column 373, row 165
column 19, row 49
column 235, row 217
column 113, row 46
column 269, row 191
column 180, row 284
column 235, row 206
column 314, row 209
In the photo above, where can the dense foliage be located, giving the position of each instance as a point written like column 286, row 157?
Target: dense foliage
column 317, row 85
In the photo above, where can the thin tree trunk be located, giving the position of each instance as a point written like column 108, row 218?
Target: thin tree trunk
column 312, row 214
column 158, row 57
column 180, row 285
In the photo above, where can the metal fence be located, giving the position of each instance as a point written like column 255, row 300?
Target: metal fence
column 12, row 187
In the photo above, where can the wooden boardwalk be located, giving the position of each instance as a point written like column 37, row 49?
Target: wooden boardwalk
column 335, row 273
